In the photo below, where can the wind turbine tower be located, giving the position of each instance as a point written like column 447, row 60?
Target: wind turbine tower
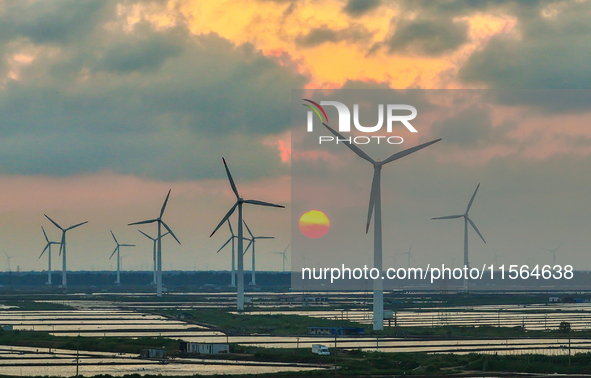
column 375, row 204
column 466, row 221
column 63, row 247
column 240, row 254
column 48, row 249
column 159, row 256
column 253, row 239
column 117, row 248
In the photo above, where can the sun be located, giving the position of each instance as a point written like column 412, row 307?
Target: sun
column 314, row 224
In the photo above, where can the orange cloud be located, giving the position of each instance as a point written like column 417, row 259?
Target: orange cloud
column 276, row 27
column 360, row 53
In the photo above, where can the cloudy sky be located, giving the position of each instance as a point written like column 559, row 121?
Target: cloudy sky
column 106, row 105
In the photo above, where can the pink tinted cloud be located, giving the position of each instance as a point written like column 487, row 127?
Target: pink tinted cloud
column 283, row 145
column 104, row 190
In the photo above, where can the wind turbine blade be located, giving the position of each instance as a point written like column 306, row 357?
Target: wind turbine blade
column 127, row 245
column 44, row 249
column 114, row 238
column 230, row 226
column 255, row 202
column 449, row 217
column 353, row 147
column 165, row 202
column 47, row 239
column 372, row 198
column 286, row 248
column 52, row 221
column 62, row 242
column 472, row 199
column 476, row 229
column 230, row 178
column 265, row 237
column 143, row 222
column 248, row 229
column 225, row 244
column 164, row 234
column 409, row 151
column 248, row 246
column 113, row 252
column 76, row 225
column 146, row 235
column 228, row 214
column 170, row 231
column 557, row 248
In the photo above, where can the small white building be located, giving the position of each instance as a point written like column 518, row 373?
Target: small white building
column 554, row 299
column 204, row 348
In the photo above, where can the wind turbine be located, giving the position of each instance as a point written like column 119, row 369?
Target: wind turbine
column 63, row 246
column 8, row 262
column 410, row 255
column 48, row 249
column 253, row 240
column 122, row 256
column 118, row 282
column 231, row 239
column 155, row 240
column 466, row 221
column 285, row 257
column 159, row 256
column 375, row 203
column 553, row 251
column 496, row 257
column 238, row 204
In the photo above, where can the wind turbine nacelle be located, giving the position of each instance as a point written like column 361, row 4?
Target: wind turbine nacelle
column 392, row 115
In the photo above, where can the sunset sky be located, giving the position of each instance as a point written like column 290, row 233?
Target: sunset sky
column 106, row 105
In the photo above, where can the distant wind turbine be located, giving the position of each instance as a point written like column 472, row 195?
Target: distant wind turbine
column 466, row 221
column 48, row 249
column 63, row 246
column 8, row 262
column 122, row 256
column 553, row 251
column 253, row 240
column 231, row 239
column 117, row 249
column 159, row 256
column 496, row 257
column 285, row 257
column 375, row 203
column 240, row 253
column 154, row 253
column 410, row 255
